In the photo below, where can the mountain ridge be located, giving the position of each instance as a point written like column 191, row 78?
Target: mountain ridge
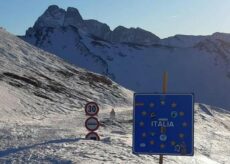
column 58, row 17
column 196, row 64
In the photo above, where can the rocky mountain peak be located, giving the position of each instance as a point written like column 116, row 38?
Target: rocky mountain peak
column 97, row 28
column 52, row 8
column 52, row 17
column 133, row 35
column 221, row 36
column 56, row 17
column 72, row 17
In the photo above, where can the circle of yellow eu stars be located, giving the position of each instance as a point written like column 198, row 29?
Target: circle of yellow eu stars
column 152, row 114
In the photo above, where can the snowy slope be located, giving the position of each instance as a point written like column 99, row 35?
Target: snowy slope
column 43, row 78
column 42, row 115
column 198, row 64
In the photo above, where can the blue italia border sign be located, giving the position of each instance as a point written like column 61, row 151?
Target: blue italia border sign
column 163, row 124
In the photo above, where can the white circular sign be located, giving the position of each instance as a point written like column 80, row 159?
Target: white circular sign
column 92, row 124
column 91, row 109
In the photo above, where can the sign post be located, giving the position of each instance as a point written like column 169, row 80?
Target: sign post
column 164, row 89
column 163, row 123
column 92, row 123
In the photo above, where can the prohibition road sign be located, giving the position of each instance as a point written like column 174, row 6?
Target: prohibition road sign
column 91, row 109
column 92, row 124
column 92, row 136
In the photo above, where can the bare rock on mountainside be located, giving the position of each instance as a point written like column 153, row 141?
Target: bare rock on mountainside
column 132, row 35
column 55, row 17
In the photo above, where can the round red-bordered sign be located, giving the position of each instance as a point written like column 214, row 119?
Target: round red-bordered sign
column 92, row 136
column 91, row 109
column 92, row 124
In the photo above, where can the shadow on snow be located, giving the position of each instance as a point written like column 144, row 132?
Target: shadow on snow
column 16, row 150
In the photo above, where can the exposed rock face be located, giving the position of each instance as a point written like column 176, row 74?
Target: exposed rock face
column 55, row 17
column 52, row 17
column 73, row 18
column 132, row 35
column 97, row 28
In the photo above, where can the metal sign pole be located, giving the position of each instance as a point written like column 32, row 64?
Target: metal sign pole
column 92, row 123
column 165, row 81
column 161, row 159
column 164, row 89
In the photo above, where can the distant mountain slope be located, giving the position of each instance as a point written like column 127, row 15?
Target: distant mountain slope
column 198, row 64
column 36, row 76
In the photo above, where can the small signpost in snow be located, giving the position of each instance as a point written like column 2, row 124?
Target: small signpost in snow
column 163, row 124
column 92, row 123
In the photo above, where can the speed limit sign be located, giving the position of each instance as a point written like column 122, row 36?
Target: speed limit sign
column 91, row 109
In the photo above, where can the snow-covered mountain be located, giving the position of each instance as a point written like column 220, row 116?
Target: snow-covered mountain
column 56, row 17
column 136, row 58
column 42, row 114
column 42, row 77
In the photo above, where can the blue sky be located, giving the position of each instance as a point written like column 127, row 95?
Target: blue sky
column 162, row 17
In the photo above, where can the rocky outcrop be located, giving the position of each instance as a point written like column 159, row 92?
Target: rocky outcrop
column 132, row 35
column 52, row 17
column 55, row 17
column 73, row 17
column 97, row 28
